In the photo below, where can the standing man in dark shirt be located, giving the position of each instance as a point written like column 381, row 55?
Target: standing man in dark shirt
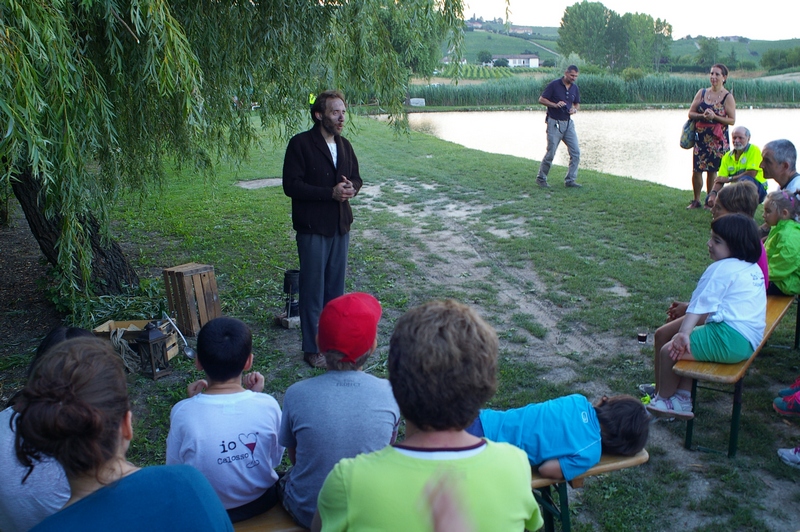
column 320, row 174
column 562, row 99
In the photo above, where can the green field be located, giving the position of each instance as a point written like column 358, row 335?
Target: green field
column 480, row 72
column 497, row 44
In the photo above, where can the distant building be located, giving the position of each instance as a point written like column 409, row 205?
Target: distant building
column 520, row 60
column 447, row 60
column 521, row 30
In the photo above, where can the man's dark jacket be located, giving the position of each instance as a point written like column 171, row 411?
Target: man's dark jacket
column 309, row 177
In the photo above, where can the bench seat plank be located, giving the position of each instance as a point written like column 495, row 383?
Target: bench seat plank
column 608, row 462
column 552, row 510
column 777, row 306
column 273, row 520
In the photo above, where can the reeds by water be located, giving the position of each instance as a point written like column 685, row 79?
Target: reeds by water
column 605, row 89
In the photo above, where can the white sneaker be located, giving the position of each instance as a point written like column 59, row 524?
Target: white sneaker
column 675, row 406
column 790, row 457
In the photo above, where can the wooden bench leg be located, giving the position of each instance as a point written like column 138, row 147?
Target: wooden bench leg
column 549, row 510
column 797, row 325
column 735, row 418
column 563, row 500
column 690, row 424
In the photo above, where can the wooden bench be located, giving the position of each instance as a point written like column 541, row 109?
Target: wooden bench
column 277, row 520
column 777, row 306
column 274, row 520
column 544, row 487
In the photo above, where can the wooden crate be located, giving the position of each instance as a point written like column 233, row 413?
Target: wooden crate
column 192, row 296
column 132, row 330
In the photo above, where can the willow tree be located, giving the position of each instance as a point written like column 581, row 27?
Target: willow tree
column 96, row 94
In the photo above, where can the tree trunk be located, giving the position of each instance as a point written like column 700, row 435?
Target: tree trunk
column 111, row 271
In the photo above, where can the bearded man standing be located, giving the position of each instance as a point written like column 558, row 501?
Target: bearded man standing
column 320, row 174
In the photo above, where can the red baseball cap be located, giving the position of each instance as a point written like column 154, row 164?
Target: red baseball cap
column 349, row 325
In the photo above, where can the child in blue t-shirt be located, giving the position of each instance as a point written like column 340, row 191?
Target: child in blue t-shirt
column 565, row 437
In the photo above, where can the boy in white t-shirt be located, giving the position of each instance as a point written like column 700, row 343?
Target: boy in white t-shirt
column 230, row 431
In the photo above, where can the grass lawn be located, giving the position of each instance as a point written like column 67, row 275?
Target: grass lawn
column 565, row 276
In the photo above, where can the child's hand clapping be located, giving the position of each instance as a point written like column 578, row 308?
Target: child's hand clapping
column 676, row 310
column 196, row 387
column 253, row 381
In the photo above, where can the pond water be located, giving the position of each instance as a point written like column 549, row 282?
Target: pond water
column 642, row 144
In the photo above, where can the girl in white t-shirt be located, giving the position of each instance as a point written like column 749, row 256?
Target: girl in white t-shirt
column 731, row 292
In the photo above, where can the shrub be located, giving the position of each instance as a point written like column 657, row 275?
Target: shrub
column 632, row 74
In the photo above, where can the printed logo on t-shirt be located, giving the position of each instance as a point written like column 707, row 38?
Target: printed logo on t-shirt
column 229, row 448
column 585, row 416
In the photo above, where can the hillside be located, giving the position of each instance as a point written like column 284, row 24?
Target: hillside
column 542, row 41
column 499, row 44
column 744, row 49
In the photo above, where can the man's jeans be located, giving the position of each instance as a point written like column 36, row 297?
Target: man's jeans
column 558, row 131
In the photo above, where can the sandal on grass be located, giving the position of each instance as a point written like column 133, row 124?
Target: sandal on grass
column 694, row 205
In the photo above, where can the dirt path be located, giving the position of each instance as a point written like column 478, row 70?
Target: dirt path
column 545, row 48
column 467, row 260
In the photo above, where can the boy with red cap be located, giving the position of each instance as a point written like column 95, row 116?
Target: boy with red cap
column 340, row 414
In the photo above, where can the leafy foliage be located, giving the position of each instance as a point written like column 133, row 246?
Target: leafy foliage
column 708, row 53
column 602, row 37
column 775, row 59
column 583, row 31
column 95, row 94
column 632, row 74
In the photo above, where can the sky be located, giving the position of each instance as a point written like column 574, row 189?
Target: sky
column 770, row 21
